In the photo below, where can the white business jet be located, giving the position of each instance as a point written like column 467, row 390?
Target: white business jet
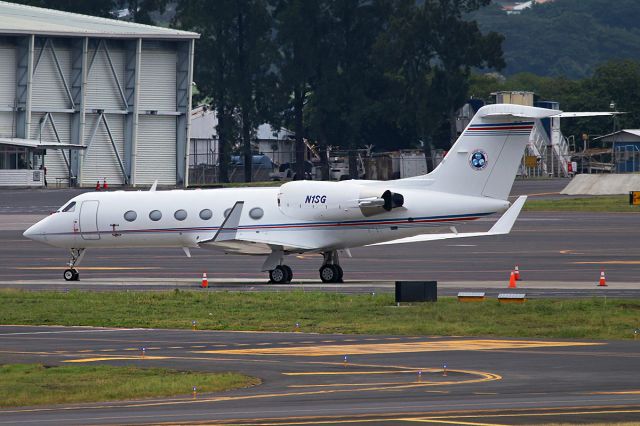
column 473, row 181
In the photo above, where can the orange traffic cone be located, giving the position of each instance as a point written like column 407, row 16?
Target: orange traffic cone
column 205, row 281
column 98, row 186
column 512, row 280
column 603, row 281
column 516, row 272
column 104, row 185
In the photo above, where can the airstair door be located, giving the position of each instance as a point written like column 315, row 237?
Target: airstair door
column 89, row 220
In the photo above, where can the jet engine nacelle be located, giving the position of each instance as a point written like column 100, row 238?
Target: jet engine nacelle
column 346, row 200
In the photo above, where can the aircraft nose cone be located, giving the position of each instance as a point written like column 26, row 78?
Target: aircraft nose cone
column 29, row 232
column 34, row 232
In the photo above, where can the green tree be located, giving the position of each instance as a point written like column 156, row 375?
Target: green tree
column 300, row 26
column 428, row 53
column 214, row 66
column 101, row 8
column 140, row 10
column 253, row 70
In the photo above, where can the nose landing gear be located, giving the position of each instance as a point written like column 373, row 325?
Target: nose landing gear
column 72, row 274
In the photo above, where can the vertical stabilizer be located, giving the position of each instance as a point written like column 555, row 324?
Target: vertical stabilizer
column 485, row 158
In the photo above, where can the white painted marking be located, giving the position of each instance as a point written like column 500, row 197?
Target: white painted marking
column 68, row 331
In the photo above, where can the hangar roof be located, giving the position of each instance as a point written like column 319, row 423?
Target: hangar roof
column 624, row 135
column 21, row 19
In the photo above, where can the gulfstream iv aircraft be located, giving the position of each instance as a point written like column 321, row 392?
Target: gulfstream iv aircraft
column 473, row 181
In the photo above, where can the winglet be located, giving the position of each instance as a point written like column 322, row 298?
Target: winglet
column 154, row 186
column 505, row 223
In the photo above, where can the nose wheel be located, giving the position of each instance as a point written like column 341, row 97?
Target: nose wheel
column 281, row 274
column 71, row 275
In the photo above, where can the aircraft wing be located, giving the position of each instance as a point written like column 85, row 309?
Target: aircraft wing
column 501, row 227
column 230, row 239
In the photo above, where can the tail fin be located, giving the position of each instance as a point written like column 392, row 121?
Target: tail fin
column 485, row 158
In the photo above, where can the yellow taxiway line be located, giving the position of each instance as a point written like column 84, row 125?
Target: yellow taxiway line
column 405, row 347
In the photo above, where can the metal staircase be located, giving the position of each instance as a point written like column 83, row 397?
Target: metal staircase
column 554, row 151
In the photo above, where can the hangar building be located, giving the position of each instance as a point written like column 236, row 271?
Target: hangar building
column 93, row 99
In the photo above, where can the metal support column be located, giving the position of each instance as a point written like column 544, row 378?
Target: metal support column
column 24, row 79
column 132, row 96
column 79, row 52
column 184, row 77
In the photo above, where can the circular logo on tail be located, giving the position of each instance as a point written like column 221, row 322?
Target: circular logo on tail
column 478, row 160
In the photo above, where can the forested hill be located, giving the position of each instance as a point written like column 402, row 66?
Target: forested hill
column 566, row 37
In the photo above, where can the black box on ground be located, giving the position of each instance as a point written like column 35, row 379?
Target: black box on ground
column 416, row 291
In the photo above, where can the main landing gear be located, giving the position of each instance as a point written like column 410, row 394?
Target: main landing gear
column 331, row 271
column 72, row 274
column 282, row 274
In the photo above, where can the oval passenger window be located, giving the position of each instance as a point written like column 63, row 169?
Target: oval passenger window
column 155, row 215
column 180, row 214
column 130, row 216
column 206, row 214
column 256, row 213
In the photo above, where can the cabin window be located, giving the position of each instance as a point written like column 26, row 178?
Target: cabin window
column 226, row 212
column 130, row 216
column 206, row 214
column 70, row 207
column 256, row 213
column 155, row 215
column 180, row 214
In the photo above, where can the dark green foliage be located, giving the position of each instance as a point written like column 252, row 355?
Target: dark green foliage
column 617, row 81
column 140, row 10
column 567, row 37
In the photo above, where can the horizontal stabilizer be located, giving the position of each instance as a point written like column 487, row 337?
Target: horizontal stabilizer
column 587, row 114
column 501, row 227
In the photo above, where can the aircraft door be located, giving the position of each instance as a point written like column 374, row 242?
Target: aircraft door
column 89, row 220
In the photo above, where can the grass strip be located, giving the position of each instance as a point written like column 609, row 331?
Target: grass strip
column 604, row 203
column 35, row 384
column 597, row 318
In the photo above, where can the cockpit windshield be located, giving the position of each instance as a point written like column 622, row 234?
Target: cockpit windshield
column 69, row 207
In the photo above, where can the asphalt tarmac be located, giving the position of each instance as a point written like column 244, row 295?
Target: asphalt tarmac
column 563, row 247
column 386, row 379
column 305, row 379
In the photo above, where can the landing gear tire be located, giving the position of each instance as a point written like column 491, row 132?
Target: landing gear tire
column 71, row 275
column 282, row 274
column 340, row 273
column 289, row 273
column 330, row 273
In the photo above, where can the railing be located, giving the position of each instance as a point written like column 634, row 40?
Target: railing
column 554, row 152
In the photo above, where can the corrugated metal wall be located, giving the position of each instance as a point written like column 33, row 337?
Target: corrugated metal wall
column 100, row 161
column 102, row 89
column 7, row 89
column 54, row 161
column 156, row 155
column 158, row 78
column 48, row 87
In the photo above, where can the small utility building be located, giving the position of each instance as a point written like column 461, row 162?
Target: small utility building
column 90, row 99
column 625, row 149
